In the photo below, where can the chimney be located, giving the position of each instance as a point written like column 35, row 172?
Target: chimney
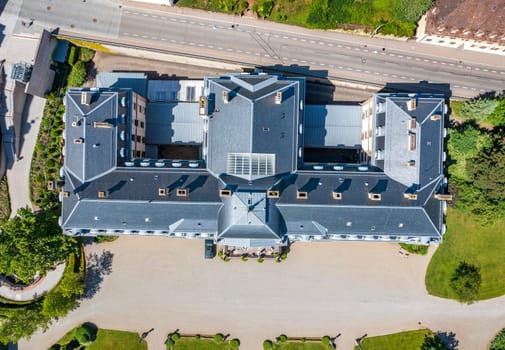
column 85, row 98
column 411, row 104
column 410, row 196
column 182, row 192
column 226, row 98
column 273, row 194
column 302, row 195
column 278, row 97
column 374, row 196
column 225, row 192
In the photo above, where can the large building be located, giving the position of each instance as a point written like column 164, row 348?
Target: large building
column 241, row 159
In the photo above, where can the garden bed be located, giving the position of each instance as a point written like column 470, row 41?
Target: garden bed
column 409, row 340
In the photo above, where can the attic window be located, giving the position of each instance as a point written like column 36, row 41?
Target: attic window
column 337, row 195
column 182, row 192
column 410, row 196
column 374, row 196
column 162, row 191
column 226, row 192
column 273, row 194
column 302, row 195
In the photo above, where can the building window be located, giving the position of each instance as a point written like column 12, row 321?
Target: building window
column 143, row 154
column 134, row 106
column 138, row 138
column 142, row 125
column 140, row 108
column 143, row 139
column 138, row 153
column 133, row 137
column 136, row 122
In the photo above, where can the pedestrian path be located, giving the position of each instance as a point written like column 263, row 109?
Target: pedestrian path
column 33, row 291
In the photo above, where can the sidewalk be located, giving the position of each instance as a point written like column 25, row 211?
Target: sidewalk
column 33, row 291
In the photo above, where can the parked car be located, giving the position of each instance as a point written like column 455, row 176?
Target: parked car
column 210, row 249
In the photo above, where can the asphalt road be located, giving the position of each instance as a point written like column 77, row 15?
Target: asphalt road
column 253, row 42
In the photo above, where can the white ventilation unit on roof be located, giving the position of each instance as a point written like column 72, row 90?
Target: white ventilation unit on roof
column 251, row 164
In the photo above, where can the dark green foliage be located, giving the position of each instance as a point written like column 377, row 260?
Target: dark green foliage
column 319, row 14
column 325, row 340
column 175, row 336
column 233, row 6
column 5, row 203
column 21, row 322
column 86, row 54
column 282, row 338
column 234, row 344
column 410, row 11
column 267, row 345
column 264, row 8
column 85, row 335
column 477, row 109
column 420, row 249
column 169, row 342
column 497, row 117
column 218, row 338
column 32, row 242
column 432, row 342
column 466, row 282
column 498, row 342
column 77, row 74
column 73, row 54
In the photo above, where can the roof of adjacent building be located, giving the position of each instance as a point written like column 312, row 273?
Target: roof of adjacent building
column 482, row 20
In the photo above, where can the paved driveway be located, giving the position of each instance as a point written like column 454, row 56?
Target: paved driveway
column 322, row 288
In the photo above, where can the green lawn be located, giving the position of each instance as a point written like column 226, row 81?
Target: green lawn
column 107, row 339
column 409, row 340
column 468, row 241
column 290, row 345
column 186, row 343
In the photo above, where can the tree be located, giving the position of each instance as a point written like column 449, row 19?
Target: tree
column 498, row 342
column 31, row 243
column 432, row 342
column 22, row 323
column 85, row 335
column 466, row 282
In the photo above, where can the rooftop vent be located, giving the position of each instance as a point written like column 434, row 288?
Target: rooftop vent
column 273, row 194
column 104, row 125
column 336, row 195
column 278, row 97
column 411, row 104
column 182, row 192
column 302, row 195
column 162, row 191
column 225, row 192
column 443, row 197
column 410, row 196
column 79, row 141
column 85, row 98
column 226, row 97
column 374, row 196
column 436, row 117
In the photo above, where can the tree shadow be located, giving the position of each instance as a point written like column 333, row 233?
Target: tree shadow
column 449, row 339
column 97, row 267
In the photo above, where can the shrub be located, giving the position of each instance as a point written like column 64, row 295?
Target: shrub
column 84, row 335
column 282, row 338
column 498, row 342
column 77, row 74
column 234, row 344
column 72, row 56
column 197, row 336
column 86, row 54
column 466, row 282
column 244, row 258
column 175, row 336
column 218, row 338
column 284, row 255
column 169, row 342
column 260, row 260
column 267, row 345
column 325, row 340
column 420, row 249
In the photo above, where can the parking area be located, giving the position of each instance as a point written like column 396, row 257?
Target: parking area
column 321, row 288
